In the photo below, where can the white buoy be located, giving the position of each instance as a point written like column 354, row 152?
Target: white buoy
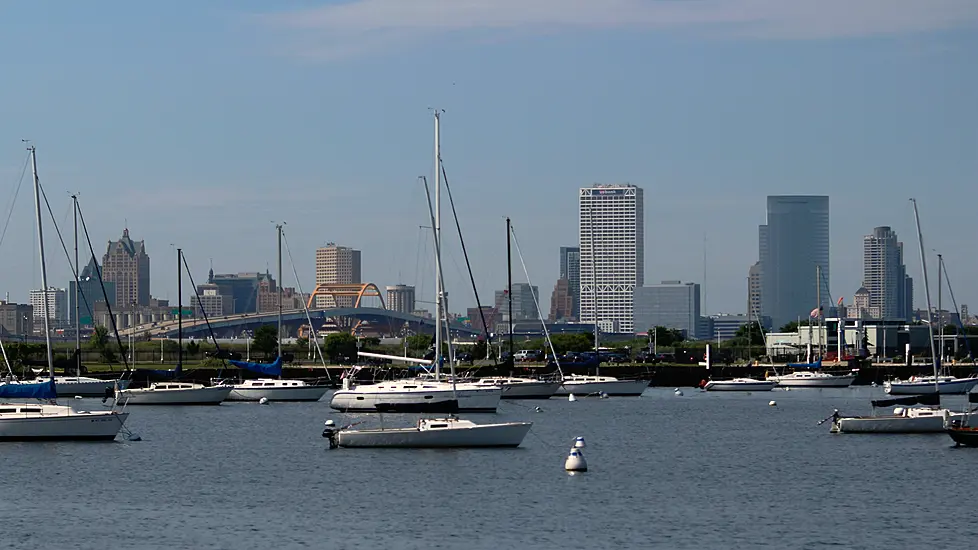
column 773, row 403
column 538, row 409
column 873, row 384
column 787, row 389
column 579, row 443
column 263, row 401
column 575, row 462
column 571, row 398
column 678, row 392
column 330, row 423
column 78, row 397
column 603, row 395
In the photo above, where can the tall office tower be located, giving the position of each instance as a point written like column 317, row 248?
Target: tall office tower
column 885, row 275
column 793, row 242
column 336, row 265
column 127, row 265
column 248, row 292
column 89, row 293
column 57, row 305
column 561, row 301
column 400, row 298
column 670, row 304
column 754, row 290
column 612, row 247
column 524, row 304
column 570, row 269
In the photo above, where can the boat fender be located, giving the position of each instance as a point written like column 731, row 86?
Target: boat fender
column 702, row 383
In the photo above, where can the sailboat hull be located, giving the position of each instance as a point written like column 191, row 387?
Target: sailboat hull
column 431, row 401
column 893, row 424
column 75, row 426
column 485, row 435
column 300, row 393
column 830, row 381
column 967, row 436
column 212, row 395
column 956, row 386
column 70, row 386
column 613, row 387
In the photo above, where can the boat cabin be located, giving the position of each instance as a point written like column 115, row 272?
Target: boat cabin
column 169, row 386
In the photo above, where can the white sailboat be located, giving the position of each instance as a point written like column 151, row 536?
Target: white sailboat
column 47, row 422
column 925, row 414
column 813, row 379
column 277, row 389
column 945, row 383
column 436, row 432
column 521, row 388
column 174, row 393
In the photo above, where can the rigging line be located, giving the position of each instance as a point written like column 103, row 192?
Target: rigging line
column 957, row 313
column 13, row 200
column 298, row 286
column 535, row 300
column 108, row 305
column 74, row 268
column 200, row 304
column 465, row 253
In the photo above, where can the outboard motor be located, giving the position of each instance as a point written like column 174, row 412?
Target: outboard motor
column 330, row 432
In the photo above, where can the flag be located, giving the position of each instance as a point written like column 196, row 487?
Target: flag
column 840, row 301
column 814, row 312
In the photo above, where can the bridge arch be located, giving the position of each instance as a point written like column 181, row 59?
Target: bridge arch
column 359, row 290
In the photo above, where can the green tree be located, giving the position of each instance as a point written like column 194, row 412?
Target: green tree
column 748, row 335
column 99, row 339
column 302, row 343
column 265, row 340
column 340, row 345
column 564, row 343
column 793, row 326
column 419, row 342
column 479, row 349
column 193, row 348
column 666, row 337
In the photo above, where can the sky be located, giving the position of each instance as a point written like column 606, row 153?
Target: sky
column 202, row 124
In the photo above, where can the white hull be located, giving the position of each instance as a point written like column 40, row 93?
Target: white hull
column 730, row 385
column 75, row 426
column 948, row 387
column 83, row 386
column 212, row 395
column 840, row 381
column 530, row 390
column 893, row 424
column 510, row 434
column 613, row 387
column 363, row 400
column 300, row 393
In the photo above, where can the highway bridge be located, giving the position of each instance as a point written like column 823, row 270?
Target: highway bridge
column 380, row 319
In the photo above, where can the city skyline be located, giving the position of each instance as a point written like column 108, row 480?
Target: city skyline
column 879, row 111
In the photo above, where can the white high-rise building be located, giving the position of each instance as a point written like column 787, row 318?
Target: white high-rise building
column 400, row 298
column 612, row 243
column 885, row 275
column 57, row 304
column 338, row 265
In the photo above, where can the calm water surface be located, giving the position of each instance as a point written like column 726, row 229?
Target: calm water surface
column 706, row 470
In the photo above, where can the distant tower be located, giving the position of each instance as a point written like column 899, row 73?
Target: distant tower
column 400, row 298
column 127, row 265
column 570, row 269
column 792, row 243
column 336, row 265
column 885, row 275
column 612, row 231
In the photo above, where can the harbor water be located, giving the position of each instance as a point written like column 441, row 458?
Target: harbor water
column 702, row 470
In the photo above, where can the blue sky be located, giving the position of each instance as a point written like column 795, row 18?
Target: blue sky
column 198, row 124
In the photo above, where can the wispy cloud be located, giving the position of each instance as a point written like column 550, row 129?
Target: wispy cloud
column 360, row 26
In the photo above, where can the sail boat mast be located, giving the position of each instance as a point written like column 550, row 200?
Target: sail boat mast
column 179, row 309
column 930, row 321
column 44, row 270
column 278, row 228
column 74, row 201
column 940, row 308
column 437, row 230
column 509, row 287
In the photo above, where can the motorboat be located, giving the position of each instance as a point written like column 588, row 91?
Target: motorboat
column 946, row 385
column 43, row 422
column 521, row 388
column 961, row 430
column 416, row 396
column 739, row 384
column 813, row 379
column 581, row 384
column 449, row 432
column 173, row 393
column 85, row 386
column 274, row 389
